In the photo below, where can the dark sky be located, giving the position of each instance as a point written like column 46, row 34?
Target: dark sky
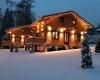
column 88, row 9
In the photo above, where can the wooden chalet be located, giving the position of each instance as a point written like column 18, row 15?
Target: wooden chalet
column 58, row 30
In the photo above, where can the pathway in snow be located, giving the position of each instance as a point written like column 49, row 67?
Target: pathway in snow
column 62, row 65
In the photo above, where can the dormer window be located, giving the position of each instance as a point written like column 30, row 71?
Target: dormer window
column 61, row 19
column 74, row 22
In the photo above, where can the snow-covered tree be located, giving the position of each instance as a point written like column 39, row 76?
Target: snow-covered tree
column 86, row 55
column 24, row 13
column 7, row 22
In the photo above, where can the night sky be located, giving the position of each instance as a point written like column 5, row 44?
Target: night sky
column 88, row 9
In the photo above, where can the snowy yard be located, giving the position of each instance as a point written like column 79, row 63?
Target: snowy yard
column 62, row 65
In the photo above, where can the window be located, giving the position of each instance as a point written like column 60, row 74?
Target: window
column 61, row 19
column 78, row 37
column 55, row 35
column 66, row 37
column 74, row 22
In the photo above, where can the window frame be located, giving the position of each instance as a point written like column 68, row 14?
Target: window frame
column 55, row 35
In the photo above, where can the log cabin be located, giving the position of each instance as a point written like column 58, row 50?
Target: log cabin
column 55, row 31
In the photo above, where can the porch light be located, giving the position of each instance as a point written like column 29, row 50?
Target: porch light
column 61, row 29
column 82, row 33
column 22, row 36
column 73, row 31
column 49, row 28
column 13, row 35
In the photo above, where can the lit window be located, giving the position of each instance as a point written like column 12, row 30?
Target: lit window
column 61, row 19
column 74, row 22
column 55, row 35
column 66, row 37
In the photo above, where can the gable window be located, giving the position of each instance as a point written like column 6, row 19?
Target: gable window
column 74, row 22
column 61, row 19
column 55, row 35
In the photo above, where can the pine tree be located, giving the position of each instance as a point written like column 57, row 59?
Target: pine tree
column 8, row 22
column 24, row 13
column 86, row 55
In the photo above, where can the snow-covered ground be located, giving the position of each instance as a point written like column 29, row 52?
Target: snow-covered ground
column 62, row 65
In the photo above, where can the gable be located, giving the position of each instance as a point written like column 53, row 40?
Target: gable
column 72, row 19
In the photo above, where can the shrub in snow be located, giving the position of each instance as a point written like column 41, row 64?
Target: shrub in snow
column 86, row 55
column 32, row 49
column 97, row 48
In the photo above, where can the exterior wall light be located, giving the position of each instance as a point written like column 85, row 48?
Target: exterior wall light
column 49, row 28
column 22, row 36
column 85, row 32
column 82, row 33
column 13, row 35
column 61, row 30
column 73, row 31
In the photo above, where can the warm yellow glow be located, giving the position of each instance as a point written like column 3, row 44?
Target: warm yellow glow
column 62, row 30
column 42, row 23
column 61, row 36
column 49, row 28
column 22, row 39
column 73, row 31
column 72, row 37
column 82, row 37
column 22, row 36
column 13, row 35
column 42, row 29
column 55, row 34
column 13, row 40
column 37, row 26
column 49, row 36
column 82, row 33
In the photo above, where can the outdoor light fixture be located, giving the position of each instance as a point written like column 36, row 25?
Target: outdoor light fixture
column 13, row 35
column 22, row 36
column 49, row 28
column 82, row 33
column 73, row 31
column 85, row 32
column 61, row 30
